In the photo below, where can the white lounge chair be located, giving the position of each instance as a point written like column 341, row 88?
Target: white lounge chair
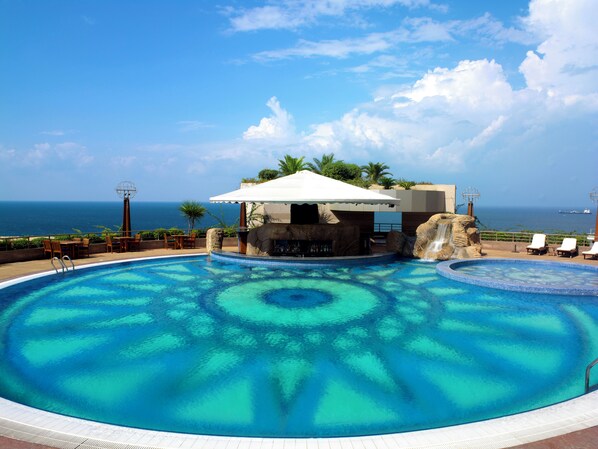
column 568, row 247
column 538, row 245
column 593, row 252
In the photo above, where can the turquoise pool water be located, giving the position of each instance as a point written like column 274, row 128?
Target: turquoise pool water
column 189, row 345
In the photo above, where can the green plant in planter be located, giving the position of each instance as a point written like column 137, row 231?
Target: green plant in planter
column 387, row 182
column 405, row 184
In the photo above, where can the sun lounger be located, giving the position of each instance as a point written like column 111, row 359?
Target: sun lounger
column 592, row 253
column 568, row 247
column 538, row 245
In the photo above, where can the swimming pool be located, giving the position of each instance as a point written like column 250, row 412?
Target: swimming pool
column 379, row 349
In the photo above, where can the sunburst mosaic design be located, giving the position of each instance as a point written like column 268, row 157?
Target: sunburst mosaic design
column 195, row 346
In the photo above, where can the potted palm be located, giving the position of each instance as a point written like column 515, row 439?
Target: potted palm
column 192, row 211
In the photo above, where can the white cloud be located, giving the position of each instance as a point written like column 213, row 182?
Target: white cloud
column 412, row 31
column 479, row 85
column 65, row 154
column 120, row 162
column 192, row 125
column 373, row 43
column 293, row 14
column 56, row 132
column 279, row 126
column 565, row 64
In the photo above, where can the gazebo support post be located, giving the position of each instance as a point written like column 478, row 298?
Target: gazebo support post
column 243, row 229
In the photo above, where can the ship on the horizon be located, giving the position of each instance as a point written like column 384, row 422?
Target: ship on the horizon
column 585, row 211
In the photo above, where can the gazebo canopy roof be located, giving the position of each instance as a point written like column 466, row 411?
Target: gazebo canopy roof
column 304, row 187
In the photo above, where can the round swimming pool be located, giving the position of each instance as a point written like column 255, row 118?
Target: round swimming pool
column 189, row 345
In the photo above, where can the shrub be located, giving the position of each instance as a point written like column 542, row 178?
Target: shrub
column 20, row 244
column 359, row 182
column 148, row 235
column 342, row 171
column 267, row 174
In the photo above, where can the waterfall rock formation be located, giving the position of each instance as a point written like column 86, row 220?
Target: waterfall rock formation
column 214, row 238
column 448, row 236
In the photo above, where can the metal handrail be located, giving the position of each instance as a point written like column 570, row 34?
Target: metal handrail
column 63, row 266
column 588, row 369
column 67, row 258
column 62, row 261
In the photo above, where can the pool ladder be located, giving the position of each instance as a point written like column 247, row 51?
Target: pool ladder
column 588, row 369
column 62, row 263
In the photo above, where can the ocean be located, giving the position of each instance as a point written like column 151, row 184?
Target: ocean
column 24, row 218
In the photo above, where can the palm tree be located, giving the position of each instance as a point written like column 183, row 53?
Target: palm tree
column 290, row 165
column 192, row 211
column 319, row 164
column 375, row 171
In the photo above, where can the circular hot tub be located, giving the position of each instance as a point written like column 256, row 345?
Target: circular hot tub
column 547, row 277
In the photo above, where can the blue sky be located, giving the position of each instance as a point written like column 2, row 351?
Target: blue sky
column 185, row 98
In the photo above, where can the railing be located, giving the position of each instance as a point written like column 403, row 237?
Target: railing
column 8, row 243
column 526, row 237
column 387, row 227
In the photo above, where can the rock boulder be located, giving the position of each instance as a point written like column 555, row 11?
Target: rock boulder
column 462, row 240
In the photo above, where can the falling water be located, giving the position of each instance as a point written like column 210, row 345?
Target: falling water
column 443, row 235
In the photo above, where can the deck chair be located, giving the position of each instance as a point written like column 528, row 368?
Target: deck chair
column 135, row 244
column 169, row 242
column 538, row 245
column 59, row 250
column 568, row 247
column 48, row 248
column 189, row 242
column 592, row 253
column 83, row 247
column 111, row 245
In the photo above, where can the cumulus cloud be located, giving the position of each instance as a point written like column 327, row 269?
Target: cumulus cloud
column 278, row 126
column 565, row 64
column 466, row 115
column 478, row 85
column 464, row 102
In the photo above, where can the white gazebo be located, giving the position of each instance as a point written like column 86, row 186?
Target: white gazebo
column 303, row 191
column 304, row 187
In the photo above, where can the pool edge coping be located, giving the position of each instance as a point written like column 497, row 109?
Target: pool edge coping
column 42, row 427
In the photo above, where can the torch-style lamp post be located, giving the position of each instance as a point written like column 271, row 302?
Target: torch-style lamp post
column 126, row 190
column 470, row 194
column 594, row 198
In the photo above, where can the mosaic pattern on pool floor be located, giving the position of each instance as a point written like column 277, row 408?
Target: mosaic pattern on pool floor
column 200, row 347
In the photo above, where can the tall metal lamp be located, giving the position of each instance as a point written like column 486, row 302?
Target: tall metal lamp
column 126, row 190
column 470, row 194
